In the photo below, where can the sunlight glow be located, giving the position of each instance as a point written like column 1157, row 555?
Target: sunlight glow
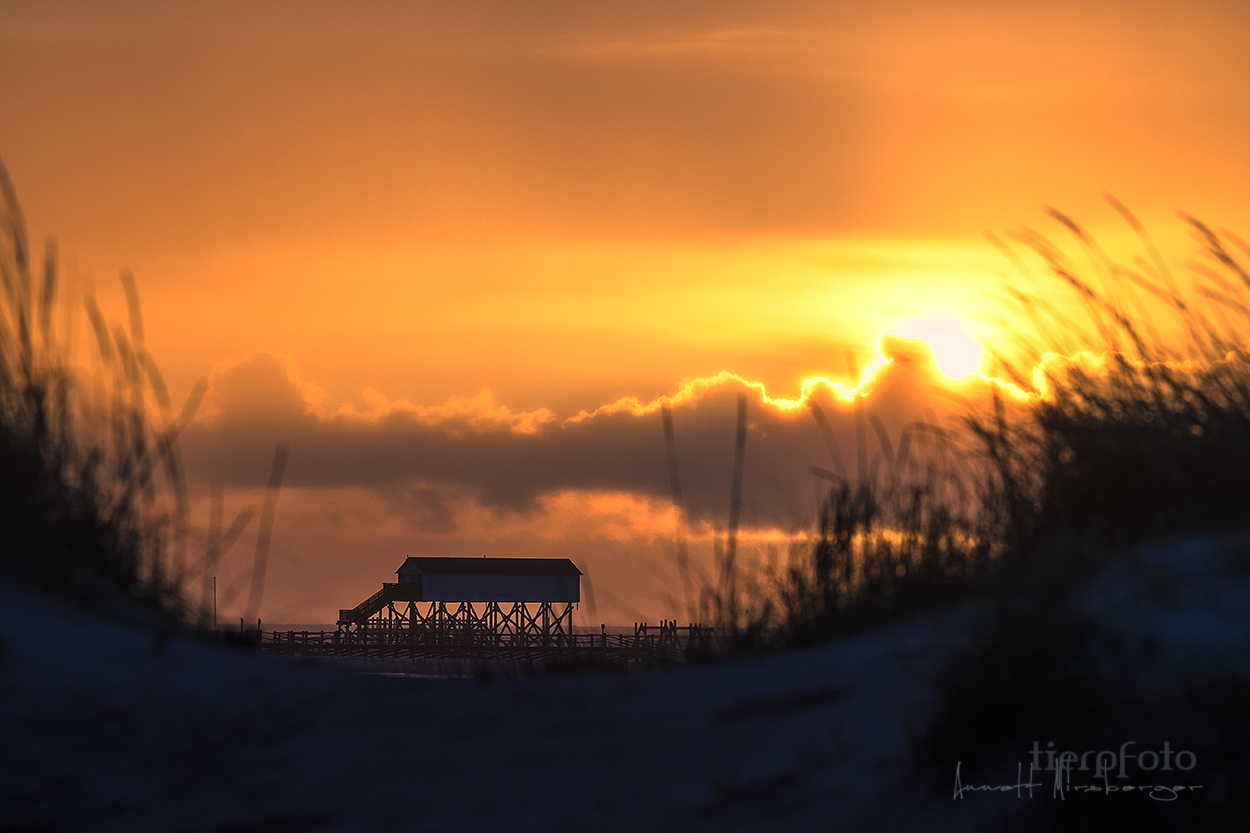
column 690, row 389
column 957, row 354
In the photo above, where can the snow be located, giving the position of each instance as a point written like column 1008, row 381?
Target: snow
column 105, row 727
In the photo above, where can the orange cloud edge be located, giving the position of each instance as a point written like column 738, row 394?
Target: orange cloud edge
column 484, row 411
column 890, row 348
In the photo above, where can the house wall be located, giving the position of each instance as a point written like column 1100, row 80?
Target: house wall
column 453, row 588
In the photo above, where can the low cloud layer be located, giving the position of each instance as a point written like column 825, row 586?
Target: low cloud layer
column 425, row 459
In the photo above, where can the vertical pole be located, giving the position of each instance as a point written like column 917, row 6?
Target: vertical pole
column 729, row 577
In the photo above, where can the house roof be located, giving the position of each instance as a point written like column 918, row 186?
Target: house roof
column 490, row 566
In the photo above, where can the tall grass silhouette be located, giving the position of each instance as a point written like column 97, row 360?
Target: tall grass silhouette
column 1141, row 431
column 94, row 504
column 905, row 534
column 1147, row 429
column 1139, row 426
column 83, row 517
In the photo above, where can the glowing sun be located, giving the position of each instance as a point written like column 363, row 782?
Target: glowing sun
column 957, row 353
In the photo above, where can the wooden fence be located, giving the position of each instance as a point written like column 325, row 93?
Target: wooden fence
column 664, row 644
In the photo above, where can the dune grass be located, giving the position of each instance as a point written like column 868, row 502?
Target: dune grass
column 909, row 532
column 1145, row 432
column 1139, row 427
column 93, row 502
column 1143, row 435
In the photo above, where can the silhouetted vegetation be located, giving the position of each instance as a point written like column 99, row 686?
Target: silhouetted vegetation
column 878, row 556
column 1143, row 434
column 93, row 504
column 913, row 530
column 1133, row 427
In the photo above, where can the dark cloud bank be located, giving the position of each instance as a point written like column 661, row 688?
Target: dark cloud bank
column 418, row 459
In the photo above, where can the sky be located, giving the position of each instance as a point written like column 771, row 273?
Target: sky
column 455, row 254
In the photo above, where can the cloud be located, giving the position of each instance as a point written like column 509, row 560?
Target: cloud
column 468, row 413
column 426, row 460
column 262, row 386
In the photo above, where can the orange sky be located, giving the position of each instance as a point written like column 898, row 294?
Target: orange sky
column 569, row 203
